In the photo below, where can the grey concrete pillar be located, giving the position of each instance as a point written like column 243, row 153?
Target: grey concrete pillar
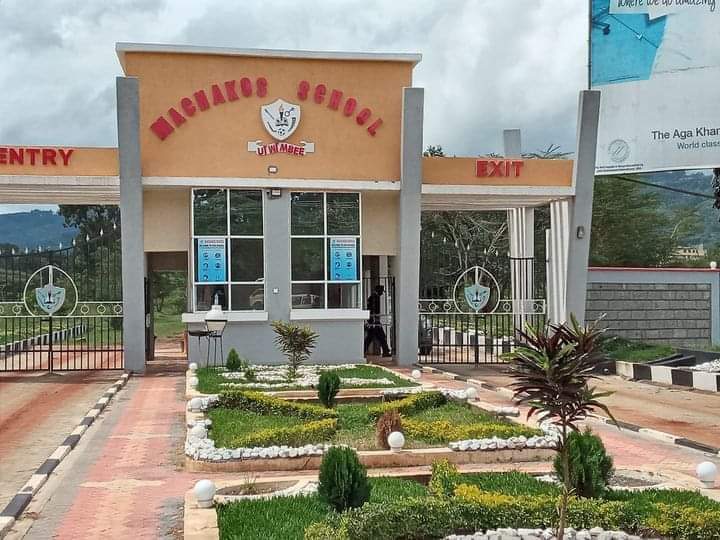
column 581, row 209
column 131, row 219
column 277, row 250
column 408, row 275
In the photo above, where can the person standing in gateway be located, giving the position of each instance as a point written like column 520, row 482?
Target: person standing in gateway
column 375, row 331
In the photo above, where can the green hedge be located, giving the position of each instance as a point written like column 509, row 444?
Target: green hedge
column 471, row 510
column 441, row 431
column 409, row 405
column 309, row 433
column 261, row 403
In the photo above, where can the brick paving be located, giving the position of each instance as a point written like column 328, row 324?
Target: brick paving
column 128, row 479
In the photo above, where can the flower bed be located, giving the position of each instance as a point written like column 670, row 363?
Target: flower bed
column 477, row 503
column 275, row 378
column 246, row 424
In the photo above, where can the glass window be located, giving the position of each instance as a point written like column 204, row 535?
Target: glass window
column 229, row 264
column 325, row 250
column 343, row 213
column 246, row 218
column 307, row 214
column 209, row 212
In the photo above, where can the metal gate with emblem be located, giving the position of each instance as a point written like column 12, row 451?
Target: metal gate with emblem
column 61, row 310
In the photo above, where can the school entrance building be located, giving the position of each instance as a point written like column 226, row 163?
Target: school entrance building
column 289, row 184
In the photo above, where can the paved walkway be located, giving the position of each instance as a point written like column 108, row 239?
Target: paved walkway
column 37, row 412
column 686, row 413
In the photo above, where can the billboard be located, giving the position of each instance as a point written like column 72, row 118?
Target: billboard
column 657, row 63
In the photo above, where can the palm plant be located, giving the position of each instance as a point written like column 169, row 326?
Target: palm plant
column 295, row 342
column 552, row 371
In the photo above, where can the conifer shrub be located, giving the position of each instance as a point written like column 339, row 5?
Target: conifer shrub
column 590, row 465
column 343, row 482
column 234, row 363
column 328, row 387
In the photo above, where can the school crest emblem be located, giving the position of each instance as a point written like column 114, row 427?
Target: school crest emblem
column 280, row 118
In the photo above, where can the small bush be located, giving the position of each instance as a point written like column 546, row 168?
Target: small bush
column 409, row 405
column 234, row 362
column 263, row 404
column 250, row 374
column 343, row 479
column 328, row 387
column 685, row 523
column 590, row 465
column 307, row 433
column 386, row 424
column 295, row 342
column 444, row 478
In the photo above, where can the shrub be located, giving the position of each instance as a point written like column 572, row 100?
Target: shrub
column 307, row 433
column 441, row 431
column 343, row 479
column 326, row 531
column 234, row 362
column 250, row 374
column 328, row 387
column 444, row 478
column 409, row 405
column 263, row 404
column 590, row 465
column 295, row 342
column 386, row 424
column 685, row 523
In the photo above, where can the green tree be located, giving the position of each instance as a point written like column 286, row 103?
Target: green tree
column 90, row 219
column 434, row 151
column 629, row 226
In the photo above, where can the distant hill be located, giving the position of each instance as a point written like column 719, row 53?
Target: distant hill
column 35, row 228
column 698, row 182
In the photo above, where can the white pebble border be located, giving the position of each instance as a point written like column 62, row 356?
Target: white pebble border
column 596, row 533
column 299, row 489
column 712, row 367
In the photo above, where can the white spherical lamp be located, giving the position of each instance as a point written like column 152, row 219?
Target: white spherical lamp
column 196, row 404
column 198, row 431
column 193, row 381
column 471, row 393
column 707, row 473
column 416, row 374
column 713, row 265
column 396, row 441
column 204, row 491
column 193, row 367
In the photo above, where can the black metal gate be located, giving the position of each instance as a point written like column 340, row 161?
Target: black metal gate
column 62, row 310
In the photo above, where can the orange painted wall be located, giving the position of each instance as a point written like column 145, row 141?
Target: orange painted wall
column 461, row 171
column 213, row 143
column 83, row 162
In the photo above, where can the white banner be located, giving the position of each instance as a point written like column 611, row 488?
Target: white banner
column 657, row 63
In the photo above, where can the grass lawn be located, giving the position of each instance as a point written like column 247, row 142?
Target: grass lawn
column 167, row 324
column 355, row 426
column 632, row 351
column 285, row 518
column 210, row 379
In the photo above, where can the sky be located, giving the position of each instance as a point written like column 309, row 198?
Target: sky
column 487, row 64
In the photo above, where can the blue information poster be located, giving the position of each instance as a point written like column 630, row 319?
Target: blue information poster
column 343, row 259
column 211, row 260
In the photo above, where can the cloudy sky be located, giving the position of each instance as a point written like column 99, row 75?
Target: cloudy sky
column 487, row 64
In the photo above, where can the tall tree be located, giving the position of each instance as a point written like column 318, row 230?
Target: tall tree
column 90, row 219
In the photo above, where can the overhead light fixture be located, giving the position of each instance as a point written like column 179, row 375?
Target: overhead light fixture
column 272, row 169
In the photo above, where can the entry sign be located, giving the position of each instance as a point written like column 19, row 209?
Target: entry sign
column 343, row 259
column 211, row 259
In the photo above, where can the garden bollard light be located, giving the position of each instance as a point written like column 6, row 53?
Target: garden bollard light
column 196, row 404
column 396, row 441
column 706, row 473
column 193, row 367
column 416, row 374
column 471, row 393
column 204, row 491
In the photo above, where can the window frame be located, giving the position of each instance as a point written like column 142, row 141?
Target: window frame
column 228, row 237
column 326, row 247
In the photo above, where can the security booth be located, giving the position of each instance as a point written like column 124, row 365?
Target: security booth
column 290, row 184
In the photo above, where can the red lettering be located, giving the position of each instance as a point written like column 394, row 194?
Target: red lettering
column 176, row 117
column 272, row 148
column 372, row 128
column 48, row 156
column 3, row 156
column 319, row 95
column 187, row 106
column 518, row 165
column 335, row 97
column 349, row 107
column 302, row 150
column 303, row 90
column 261, row 150
column 17, row 155
column 261, row 86
column 496, row 168
column 363, row 116
column 481, row 169
column 246, row 87
column 201, row 100
column 230, row 90
column 282, row 147
column 33, row 152
column 65, row 155
column 162, row 128
column 217, row 95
